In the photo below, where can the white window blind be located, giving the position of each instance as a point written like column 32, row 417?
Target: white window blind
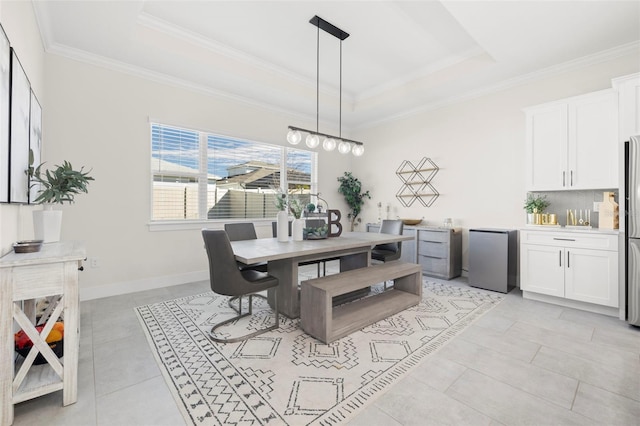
column 199, row 175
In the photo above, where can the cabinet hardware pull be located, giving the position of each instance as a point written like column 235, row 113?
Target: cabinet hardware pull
column 563, row 176
column 564, row 239
column 435, row 242
column 568, row 259
column 560, row 257
column 431, row 257
column 571, row 178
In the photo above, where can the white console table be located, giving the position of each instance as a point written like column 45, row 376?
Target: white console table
column 25, row 277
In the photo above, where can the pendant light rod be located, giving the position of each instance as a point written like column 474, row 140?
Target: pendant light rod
column 340, row 119
column 300, row 129
column 318, row 81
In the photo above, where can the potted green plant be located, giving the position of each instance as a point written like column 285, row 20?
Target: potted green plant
column 351, row 188
column 55, row 186
column 535, row 204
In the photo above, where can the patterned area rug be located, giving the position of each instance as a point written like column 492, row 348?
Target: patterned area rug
column 286, row 377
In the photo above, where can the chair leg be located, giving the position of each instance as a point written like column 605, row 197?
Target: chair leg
column 240, row 315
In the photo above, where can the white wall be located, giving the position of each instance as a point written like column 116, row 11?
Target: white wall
column 99, row 118
column 18, row 21
column 479, row 147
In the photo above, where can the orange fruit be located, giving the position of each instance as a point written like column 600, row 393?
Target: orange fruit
column 54, row 336
column 59, row 326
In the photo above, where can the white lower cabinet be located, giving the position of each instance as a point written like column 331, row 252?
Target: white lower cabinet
column 575, row 266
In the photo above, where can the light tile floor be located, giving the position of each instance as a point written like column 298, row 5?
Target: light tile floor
column 524, row 362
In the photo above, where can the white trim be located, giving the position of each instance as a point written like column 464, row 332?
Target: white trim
column 127, row 287
column 596, row 58
column 136, row 71
column 576, row 304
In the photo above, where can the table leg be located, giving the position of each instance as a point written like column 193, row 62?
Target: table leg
column 6, row 349
column 71, row 334
column 286, row 270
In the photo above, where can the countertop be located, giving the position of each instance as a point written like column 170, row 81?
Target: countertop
column 425, row 227
column 548, row 228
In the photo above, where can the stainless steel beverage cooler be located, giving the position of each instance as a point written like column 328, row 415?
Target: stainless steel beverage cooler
column 493, row 259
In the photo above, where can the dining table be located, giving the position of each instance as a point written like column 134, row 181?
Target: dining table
column 283, row 258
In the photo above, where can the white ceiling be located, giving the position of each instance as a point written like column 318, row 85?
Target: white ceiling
column 401, row 56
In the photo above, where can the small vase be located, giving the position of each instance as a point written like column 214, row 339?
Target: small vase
column 296, row 229
column 47, row 224
column 283, row 226
column 530, row 219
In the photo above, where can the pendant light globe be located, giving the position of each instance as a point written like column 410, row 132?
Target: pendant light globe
column 344, row 147
column 358, row 150
column 329, row 144
column 294, row 137
column 312, row 140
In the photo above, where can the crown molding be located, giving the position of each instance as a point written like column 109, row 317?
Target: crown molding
column 196, row 39
column 113, row 65
column 603, row 56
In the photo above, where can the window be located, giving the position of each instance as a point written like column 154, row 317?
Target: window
column 198, row 175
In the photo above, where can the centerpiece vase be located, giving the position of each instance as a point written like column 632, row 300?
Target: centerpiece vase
column 296, row 229
column 283, row 226
column 47, row 224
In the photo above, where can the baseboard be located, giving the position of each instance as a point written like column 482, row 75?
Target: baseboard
column 126, row 287
column 584, row 306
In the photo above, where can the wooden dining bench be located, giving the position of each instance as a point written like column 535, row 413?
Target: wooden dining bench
column 327, row 323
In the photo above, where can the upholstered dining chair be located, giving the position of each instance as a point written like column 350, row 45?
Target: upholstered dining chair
column 240, row 232
column 226, row 279
column 390, row 251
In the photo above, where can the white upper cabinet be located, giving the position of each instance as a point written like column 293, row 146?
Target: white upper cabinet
column 573, row 143
column 628, row 88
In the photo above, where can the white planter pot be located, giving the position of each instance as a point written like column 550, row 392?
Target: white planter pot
column 296, row 229
column 283, row 226
column 47, row 224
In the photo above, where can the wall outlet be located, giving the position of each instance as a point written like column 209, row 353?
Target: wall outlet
column 95, row 262
column 596, row 206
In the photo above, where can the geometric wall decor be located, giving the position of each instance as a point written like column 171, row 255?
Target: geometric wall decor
column 416, row 182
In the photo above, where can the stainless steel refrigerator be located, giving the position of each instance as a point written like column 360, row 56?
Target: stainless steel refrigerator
column 632, row 230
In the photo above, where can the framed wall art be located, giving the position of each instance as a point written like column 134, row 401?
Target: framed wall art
column 5, row 85
column 19, row 133
column 35, row 143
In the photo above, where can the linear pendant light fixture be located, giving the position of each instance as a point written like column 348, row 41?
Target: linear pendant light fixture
column 294, row 136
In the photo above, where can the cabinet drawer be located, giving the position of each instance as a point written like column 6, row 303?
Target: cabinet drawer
column 438, row 236
column 434, row 265
column 569, row 239
column 433, row 249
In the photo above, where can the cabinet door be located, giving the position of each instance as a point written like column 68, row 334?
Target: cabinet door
column 546, row 151
column 592, row 276
column 593, row 141
column 408, row 253
column 542, row 269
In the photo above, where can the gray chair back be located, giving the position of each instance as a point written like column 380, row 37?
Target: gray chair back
column 241, row 231
column 393, row 227
column 226, row 278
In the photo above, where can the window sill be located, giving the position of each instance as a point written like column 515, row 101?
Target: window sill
column 173, row 225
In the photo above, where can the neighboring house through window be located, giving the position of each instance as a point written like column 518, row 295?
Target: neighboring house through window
column 198, row 175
